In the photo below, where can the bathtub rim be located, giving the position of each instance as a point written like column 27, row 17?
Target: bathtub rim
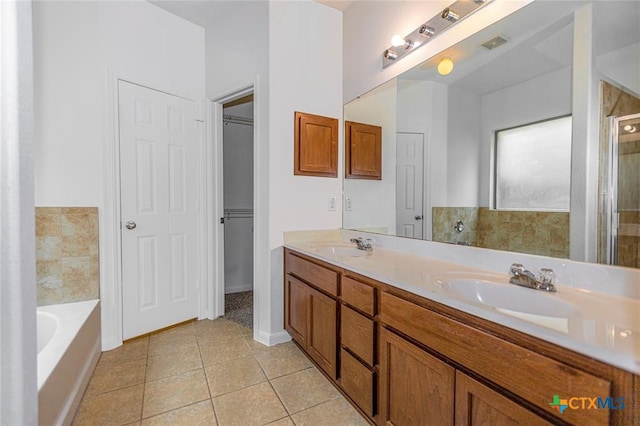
column 71, row 318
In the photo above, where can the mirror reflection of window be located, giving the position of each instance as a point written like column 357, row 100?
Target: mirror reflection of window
column 533, row 166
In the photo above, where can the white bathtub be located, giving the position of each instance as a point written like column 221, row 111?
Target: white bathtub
column 68, row 350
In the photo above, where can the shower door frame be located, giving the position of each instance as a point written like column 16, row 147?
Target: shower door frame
column 613, row 217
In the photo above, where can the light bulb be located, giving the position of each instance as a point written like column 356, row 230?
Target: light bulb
column 445, row 66
column 397, row 40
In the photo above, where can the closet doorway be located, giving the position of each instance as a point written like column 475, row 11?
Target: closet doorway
column 237, row 165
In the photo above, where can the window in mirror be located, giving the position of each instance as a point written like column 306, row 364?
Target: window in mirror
column 533, row 166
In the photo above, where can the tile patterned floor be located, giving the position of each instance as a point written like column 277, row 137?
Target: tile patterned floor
column 210, row 373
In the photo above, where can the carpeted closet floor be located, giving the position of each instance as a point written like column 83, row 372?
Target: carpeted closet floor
column 238, row 307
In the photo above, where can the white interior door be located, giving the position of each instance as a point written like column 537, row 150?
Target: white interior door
column 409, row 184
column 158, row 176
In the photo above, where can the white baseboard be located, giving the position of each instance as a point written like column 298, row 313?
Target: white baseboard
column 271, row 339
column 237, row 288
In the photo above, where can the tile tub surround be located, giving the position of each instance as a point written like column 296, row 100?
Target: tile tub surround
column 604, row 325
column 207, row 373
column 541, row 233
column 67, row 259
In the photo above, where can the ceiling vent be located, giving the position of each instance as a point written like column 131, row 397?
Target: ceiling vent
column 494, row 42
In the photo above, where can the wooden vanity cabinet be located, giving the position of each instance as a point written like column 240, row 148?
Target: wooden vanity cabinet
column 415, row 387
column 477, row 404
column 404, row 360
column 310, row 314
column 358, row 358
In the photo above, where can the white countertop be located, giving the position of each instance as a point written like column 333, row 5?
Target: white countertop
column 600, row 325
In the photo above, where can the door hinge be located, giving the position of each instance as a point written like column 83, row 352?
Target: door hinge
column 222, row 220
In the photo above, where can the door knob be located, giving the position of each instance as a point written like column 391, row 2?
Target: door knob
column 419, row 217
column 130, row 225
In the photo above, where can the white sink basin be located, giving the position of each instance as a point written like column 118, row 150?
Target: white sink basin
column 502, row 295
column 344, row 251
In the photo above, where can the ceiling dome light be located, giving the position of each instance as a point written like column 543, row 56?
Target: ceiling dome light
column 445, row 66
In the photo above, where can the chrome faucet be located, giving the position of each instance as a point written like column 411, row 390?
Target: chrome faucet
column 362, row 244
column 522, row 277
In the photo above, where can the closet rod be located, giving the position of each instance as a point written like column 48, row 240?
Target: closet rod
column 237, row 120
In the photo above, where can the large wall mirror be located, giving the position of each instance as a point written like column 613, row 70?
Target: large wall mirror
column 482, row 156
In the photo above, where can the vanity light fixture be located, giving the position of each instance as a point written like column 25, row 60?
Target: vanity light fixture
column 445, row 66
column 439, row 23
column 390, row 55
column 426, row 31
column 450, row 15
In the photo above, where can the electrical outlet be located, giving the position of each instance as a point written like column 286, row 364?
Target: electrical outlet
column 333, row 202
column 347, row 204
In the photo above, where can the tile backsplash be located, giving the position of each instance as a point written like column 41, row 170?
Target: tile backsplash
column 541, row 233
column 67, row 258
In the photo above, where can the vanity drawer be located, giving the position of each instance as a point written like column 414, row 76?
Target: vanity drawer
column 359, row 295
column 357, row 332
column 532, row 376
column 358, row 382
column 319, row 276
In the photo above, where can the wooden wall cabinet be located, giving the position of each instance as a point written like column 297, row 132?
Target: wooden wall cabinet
column 363, row 151
column 315, row 145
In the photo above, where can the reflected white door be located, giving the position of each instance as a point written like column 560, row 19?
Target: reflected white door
column 409, row 184
column 158, row 209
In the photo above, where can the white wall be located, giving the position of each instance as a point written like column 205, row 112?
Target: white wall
column 305, row 74
column 78, row 49
column 378, row 108
column 622, row 66
column 369, row 25
column 537, row 99
column 18, row 328
column 75, row 43
column 463, row 148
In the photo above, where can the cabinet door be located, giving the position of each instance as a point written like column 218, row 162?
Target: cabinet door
column 363, row 151
column 476, row 404
column 321, row 339
column 296, row 295
column 315, row 145
column 415, row 387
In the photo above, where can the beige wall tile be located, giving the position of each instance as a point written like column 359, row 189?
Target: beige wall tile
column 67, row 236
column 48, row 225
column 48, row 248
column 75, row 224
